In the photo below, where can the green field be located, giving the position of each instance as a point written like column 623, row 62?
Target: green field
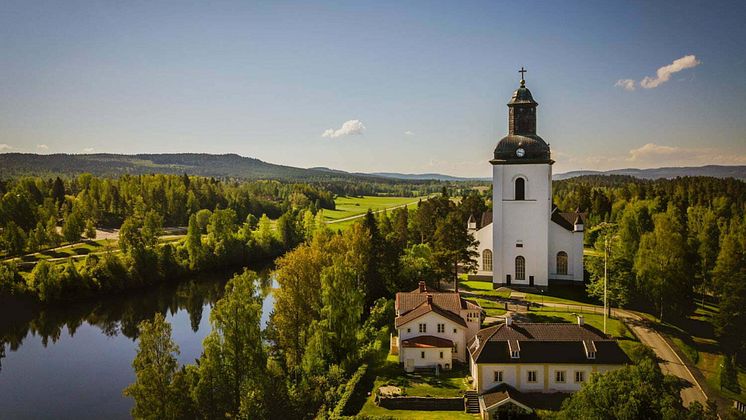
column 355, row 206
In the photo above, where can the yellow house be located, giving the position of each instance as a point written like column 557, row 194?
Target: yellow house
column 513, row 364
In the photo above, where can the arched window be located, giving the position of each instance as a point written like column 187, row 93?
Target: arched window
column 487, row 260
column 520, row 189
column 520, row 268
column 562, row 262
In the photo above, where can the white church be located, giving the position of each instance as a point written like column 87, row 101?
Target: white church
column 526, row 240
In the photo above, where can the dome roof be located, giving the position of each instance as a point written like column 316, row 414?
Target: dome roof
column 522, row 96
column 534, row 148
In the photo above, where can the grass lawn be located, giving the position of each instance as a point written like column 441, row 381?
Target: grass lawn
column 353, row 206
column 491, row 308
column 570, row 295
column 82, row 248
column 448, row 384
column 482, row 287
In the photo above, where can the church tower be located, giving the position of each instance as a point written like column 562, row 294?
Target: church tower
column 521, row 198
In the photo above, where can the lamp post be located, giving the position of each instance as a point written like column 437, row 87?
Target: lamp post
column 606, row 257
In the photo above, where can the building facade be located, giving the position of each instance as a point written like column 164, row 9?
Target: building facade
column 516, row 363
column 433, row 328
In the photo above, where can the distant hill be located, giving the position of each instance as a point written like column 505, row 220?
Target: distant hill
column 438, row 177
column 715, row 171
column 105, row 164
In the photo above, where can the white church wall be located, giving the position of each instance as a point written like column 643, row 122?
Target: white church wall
column 560, row 239
column 523, row 222
column 484, row 237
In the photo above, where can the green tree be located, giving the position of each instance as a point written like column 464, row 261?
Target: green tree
column 14, row 238
column 90, row 229
column 730, row 279
column 158, row 382
column 193, row 243
column 454, row 246
column 73, row 226
column 233, row 366
column 729, row 375
column 662, row 267
column 632, row 392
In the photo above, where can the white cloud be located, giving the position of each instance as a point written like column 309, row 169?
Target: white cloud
column 664, row 73
column 409, row 133
column 88, row 150
column 42, row 147
column 5, row 147
column 627, row 84
column 349, row 128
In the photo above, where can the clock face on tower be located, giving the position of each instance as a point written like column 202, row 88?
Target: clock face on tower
column 520, row 152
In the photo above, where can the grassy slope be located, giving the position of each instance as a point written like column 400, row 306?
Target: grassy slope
column 353, row 206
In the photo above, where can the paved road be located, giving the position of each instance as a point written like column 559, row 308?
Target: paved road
column 669, row 361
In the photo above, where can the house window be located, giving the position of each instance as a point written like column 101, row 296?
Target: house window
column 515, row 354
column 422, row 354
column 579, row 376
column 532, row 376
column 487, row 260
column 441, row 355
column 441, row 328
column 423, row 328
column 455, row 331
column 562, row 263
column 409, row 330
column 559, row 376
column 498, row 376
column 520, row 189
column 520, row 268
column 455, row 347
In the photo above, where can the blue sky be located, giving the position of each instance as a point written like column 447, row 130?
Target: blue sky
column 421, row 85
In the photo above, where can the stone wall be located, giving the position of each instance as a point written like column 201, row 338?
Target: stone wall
column 422, row 403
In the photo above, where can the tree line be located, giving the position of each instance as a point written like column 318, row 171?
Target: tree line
column 671, row 244
column 37, row 213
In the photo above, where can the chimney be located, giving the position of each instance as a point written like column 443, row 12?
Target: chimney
column 581, row 320
column 429, row 299
column 422, row 287
column 508, row 320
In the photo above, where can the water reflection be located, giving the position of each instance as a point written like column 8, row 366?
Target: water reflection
column 73, row 360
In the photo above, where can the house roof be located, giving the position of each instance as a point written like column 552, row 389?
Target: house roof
column 412, row 305
column 486, row 219
column 501, row 394
column 449, row 301
column 567, row 219
column 545, row 343
column 427, row 341
column 425, row 308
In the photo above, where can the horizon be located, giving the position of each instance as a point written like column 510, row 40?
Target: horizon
column 374, row 172
column 376, row 87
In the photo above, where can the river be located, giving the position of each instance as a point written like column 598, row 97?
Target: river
column 72, row 361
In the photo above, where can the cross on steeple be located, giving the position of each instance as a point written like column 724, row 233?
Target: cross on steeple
column 522, row 70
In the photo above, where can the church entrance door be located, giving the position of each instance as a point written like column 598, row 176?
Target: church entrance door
column 530, row 280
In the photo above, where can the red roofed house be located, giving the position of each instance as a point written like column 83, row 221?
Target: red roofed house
column 434, row 327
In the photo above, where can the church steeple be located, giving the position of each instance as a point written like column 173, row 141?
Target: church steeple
column 522, row 144
column 522, row 111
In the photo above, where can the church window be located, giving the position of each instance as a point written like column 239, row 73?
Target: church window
column 487, row 260
column 520, row 268
column 520, row 189
column 562, row 263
